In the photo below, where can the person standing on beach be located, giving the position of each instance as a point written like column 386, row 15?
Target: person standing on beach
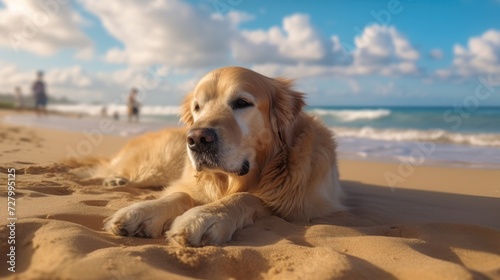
column 133, row 106
column 40, row 95
column 104, row 112
column 18, row 99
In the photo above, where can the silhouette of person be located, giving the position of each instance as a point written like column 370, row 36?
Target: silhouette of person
column 19, row 100
column 104, row 112
column 40, row 95
column 133, row 105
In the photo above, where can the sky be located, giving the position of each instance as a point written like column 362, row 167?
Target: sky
column 341, row 53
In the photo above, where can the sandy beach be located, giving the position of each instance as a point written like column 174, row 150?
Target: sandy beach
column 435, row 223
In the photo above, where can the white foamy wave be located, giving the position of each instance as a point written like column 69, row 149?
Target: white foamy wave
column 160, row 110
column 352, row 115
column 435, row 136
column 95, row 110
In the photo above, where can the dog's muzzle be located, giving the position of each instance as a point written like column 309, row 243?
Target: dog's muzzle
column 202, row 140
column 203, row 144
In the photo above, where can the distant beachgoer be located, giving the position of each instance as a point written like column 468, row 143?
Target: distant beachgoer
column 19, row 100
column 40, row 95
column 104, row 112
column 116, row 116
column 133, row 105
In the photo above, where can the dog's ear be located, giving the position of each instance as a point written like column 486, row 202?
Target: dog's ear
column 286, row 104
column 186, row 116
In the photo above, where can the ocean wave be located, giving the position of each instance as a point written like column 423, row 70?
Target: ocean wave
column 160, row 110
column 435, row 136
column 95, row 110
column 352, row 115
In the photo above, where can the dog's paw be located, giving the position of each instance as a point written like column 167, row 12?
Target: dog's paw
column 201, row 226
column 115, row 181
column 139, row 219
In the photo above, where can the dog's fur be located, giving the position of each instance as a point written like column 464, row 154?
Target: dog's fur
column 270, row 157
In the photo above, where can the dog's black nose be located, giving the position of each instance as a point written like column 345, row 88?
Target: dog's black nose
column 201, row 139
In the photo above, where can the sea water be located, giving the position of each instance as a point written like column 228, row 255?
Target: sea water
column 414, row 135
column 419, row 135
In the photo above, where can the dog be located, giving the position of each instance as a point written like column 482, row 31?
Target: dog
column 248, row 150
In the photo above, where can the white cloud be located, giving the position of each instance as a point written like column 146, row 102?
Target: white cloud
column 302, row 42
column 295, row 41
column 85, row 54
column 480, row 56
column 383, row 49
column 42, row 27
column 379, row 50
column 341, row 53
column 69, row 77
column 169, row 32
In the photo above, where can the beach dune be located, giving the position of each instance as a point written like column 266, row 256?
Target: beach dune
column 438, row 223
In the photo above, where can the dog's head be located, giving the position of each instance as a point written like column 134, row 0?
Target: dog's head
column 235, row 118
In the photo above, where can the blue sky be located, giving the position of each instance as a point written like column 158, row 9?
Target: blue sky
column 341, row 52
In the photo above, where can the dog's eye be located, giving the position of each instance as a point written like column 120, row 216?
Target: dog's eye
column 240, row 103
column 196, row 107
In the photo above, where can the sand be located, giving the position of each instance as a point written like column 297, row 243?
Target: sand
column 437, row 223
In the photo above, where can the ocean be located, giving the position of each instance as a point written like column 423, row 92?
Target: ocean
column 467, row 137
column 417, row 135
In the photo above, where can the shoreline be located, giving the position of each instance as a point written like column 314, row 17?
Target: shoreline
column 408, row 153
column 428, row 163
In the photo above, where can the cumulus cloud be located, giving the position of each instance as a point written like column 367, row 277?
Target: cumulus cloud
column 74, row 76
column 169, row 32
column 301, row 41
column 383, row 49
column 42, row 27
column 175, row 33
column 480, row 56
column 379, row 50
column 295, row 41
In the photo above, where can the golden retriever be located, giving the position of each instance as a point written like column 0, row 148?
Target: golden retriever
column 249, row 150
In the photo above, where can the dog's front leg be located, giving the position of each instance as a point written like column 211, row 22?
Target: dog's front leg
column 215, row 223
column 149, row 218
